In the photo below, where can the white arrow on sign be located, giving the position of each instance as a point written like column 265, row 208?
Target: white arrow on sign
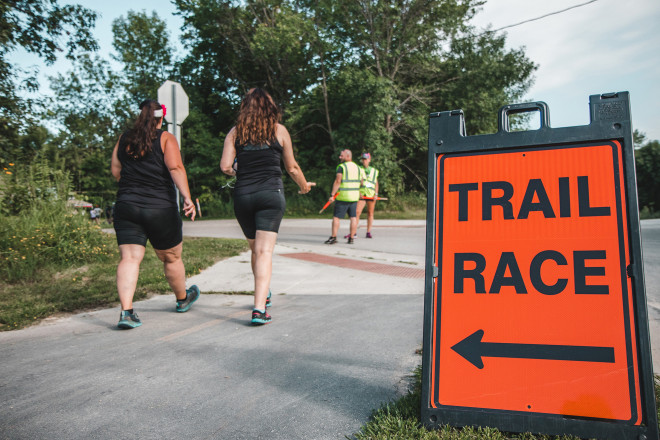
column 172, row 95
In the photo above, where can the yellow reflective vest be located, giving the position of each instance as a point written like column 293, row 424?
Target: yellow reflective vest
column 349, row 190
column 368, row 188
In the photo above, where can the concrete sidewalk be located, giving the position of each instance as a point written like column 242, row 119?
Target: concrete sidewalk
column 302, row 264
column 347, row 322
column 318, row 270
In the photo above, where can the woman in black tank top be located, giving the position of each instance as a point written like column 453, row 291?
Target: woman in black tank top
column 258, row 142
column 146, row 162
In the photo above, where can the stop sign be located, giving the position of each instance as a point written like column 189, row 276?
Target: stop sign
column 172, row 95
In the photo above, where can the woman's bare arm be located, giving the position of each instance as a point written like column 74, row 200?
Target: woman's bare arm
column 115, row 165
column 229, row 154
column 290, row 163
column 174, row 164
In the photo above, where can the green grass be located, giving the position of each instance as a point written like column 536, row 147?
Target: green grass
column 69, row 288
column 400, row 420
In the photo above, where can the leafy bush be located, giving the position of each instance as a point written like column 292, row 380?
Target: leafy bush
column 647, row 163
column 32, row 186
column 216, row 208
column 411, row 201
column 39, row 229
column 648, row 212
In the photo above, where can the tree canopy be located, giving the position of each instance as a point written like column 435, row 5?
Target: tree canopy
column 357, row 74
column 351, row 74
column 36, row 26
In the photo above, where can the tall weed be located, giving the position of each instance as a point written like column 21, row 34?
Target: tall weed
column 39, row 230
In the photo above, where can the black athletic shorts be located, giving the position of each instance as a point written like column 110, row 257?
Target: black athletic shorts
column 342, row 207
column 259, row 211
column 134, row 225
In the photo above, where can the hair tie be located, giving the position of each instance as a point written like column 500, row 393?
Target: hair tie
column 161, row 112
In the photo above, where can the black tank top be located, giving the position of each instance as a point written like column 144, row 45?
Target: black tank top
column 145, row 181
column 258, row 168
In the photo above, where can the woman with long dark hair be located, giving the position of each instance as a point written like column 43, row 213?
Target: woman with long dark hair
column 257, row 143
column 146, row 162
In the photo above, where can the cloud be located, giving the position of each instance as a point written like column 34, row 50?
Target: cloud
column 601, row 47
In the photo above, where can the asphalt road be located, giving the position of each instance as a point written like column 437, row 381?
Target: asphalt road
column 343, row 342
column 406, row 239
column 651, row 251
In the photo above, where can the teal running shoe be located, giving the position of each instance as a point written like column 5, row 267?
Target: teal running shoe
column 268, row 301
column 260, row 318
column 192, row 295
column 128, row 320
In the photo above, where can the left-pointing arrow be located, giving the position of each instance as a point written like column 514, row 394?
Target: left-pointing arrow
column 473, row 349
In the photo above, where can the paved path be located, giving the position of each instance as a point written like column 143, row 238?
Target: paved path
column 347, row 321
column 392, row 263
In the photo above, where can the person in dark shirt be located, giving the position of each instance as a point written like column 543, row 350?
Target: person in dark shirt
column 258, row 142
column 146, row 162
column 108, row 214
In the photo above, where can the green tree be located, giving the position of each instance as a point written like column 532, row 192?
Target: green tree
column 234, row 46
column 36, row 26
column 426, row 57
column 647, row 163
column 639, row 138
column 93, row 104
column 85, row 105
column 352, row 74
column 143, row 47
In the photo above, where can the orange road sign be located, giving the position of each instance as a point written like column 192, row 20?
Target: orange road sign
column 532, row 317
column 541, row 251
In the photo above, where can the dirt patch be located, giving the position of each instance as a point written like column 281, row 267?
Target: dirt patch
column 72, row 271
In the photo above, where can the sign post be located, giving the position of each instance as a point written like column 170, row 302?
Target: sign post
column 175, row 99
column 535, row 310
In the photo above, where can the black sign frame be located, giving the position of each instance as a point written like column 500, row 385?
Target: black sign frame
column 610, row 120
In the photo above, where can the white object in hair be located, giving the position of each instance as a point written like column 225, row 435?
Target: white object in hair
column 158, row 113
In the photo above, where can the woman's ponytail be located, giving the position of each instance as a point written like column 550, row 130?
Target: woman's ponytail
column 141, row 136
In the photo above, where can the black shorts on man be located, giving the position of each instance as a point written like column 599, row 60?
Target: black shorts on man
column 341, row 208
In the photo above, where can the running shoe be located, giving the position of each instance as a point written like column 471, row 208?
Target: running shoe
column 331, row 240
column 268, row 302
column 351, row 240
column 128, row 320
column 348, row 235
column 369, row 235
column 260, row 318
column 192, row 295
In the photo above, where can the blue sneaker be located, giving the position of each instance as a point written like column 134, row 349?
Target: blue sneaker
column 192, row 295
column 260, row 318
column 268, row 302
column 128, row 320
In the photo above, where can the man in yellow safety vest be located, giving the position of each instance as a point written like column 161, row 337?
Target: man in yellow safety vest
column 346, row 193
column 368, row 191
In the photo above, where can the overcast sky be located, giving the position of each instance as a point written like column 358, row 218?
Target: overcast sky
column 601, row 47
